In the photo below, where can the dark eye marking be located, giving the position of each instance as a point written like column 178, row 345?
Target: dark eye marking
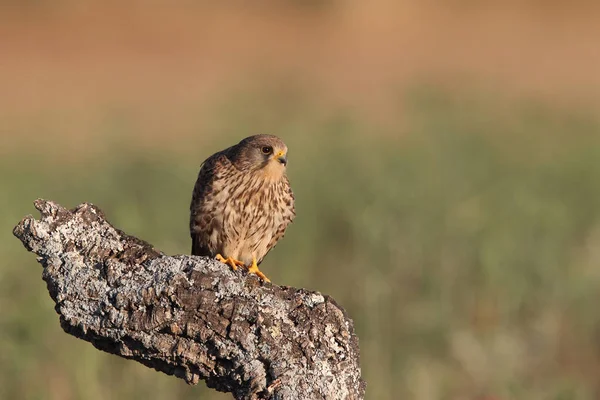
column 266, row 149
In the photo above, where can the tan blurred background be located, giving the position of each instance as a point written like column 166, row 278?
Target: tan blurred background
column 444, row 157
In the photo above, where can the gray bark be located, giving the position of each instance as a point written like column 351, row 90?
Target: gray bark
column 189, row 316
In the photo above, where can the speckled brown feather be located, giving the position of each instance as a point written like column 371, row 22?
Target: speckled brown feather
column 238, row 210
column 202, row 206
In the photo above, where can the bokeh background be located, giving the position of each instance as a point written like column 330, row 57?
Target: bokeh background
column 445, row 157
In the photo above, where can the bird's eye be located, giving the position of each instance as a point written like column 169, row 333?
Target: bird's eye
column 267, row 150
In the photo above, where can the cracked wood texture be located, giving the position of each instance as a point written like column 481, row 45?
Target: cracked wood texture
column 190, row 316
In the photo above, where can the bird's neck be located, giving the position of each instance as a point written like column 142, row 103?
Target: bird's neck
column 272, row 172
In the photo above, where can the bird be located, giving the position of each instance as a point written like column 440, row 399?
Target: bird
column 242, row 203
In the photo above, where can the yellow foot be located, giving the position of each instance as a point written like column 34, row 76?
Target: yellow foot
column 253, row 269
column 232, row 262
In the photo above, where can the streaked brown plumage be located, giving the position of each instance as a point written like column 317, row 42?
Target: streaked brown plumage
column 242, row 202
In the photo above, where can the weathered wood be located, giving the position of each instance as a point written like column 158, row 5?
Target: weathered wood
column 189, row 316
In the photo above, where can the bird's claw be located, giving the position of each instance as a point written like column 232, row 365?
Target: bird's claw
column 233, row 263
column 253, row 269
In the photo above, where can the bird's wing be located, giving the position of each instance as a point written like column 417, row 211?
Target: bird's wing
column 202, row 206
column 288, row 215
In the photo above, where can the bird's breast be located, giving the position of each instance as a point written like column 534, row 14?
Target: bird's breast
column 251, row 217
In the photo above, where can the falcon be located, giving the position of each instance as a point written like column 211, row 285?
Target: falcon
column 242, row 203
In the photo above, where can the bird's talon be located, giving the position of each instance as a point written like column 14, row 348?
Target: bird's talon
column 253, row 269
column 232, row 262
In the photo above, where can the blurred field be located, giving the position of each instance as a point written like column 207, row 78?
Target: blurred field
column 445, row 166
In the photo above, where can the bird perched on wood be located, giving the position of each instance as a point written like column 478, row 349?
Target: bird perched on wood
column 242, row 203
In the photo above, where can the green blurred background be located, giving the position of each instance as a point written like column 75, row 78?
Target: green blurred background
column 444, row 156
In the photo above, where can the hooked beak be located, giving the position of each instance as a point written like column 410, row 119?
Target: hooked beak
column 281, row 157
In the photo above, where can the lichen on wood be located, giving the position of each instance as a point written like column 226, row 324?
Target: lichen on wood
column 191, row 317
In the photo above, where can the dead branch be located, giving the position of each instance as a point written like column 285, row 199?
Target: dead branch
column 189, row 316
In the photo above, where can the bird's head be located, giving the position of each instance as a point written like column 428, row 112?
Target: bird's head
column 266, row 154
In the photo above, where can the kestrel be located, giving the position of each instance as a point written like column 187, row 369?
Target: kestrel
column 242, row 203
